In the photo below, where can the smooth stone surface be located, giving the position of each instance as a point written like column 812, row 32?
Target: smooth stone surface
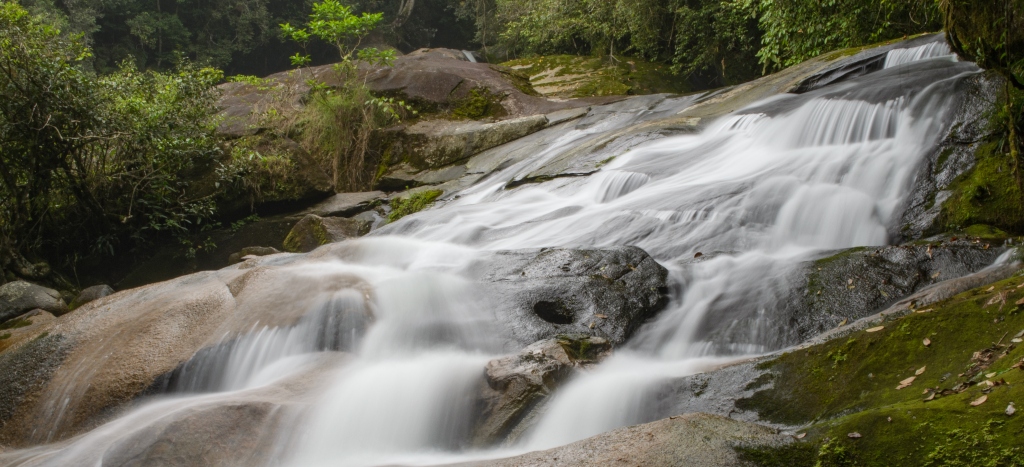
column 347, row 204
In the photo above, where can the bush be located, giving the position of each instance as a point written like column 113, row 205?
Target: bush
column 90, row 164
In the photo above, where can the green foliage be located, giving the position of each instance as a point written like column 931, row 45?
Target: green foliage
column 964, row 448
column 95, row 164
column 717, row 39
column 990, row 33
column 796, row 30
column 601, row 26
column 413, row 203
column 987, row 194
column 334, row 23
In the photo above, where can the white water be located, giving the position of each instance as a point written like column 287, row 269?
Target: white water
column 756, row 192
column 898, row 57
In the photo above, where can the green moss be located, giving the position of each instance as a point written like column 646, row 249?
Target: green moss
column 480, row 103
column 416, row 202
column 789, row 455
column 987, row 194
column 15, row 324
column 849, row 385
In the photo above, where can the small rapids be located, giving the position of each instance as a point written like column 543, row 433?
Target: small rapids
column 754, row 193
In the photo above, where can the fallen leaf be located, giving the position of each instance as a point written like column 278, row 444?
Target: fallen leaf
column 849, row 281
column 698, row 255
column 1010, row 410
column 1016, row 340
column 801, row 435
column 920, row 370
column 906, row 382
column 990, row 289
column 876, row 329
column 926, row 310
column 990, row 375
column 602, row 316
column 1019, row 302
column 1019, row 334
column 926, row 342
column 843, row 323
column 853, row 435
column 930, row 397
column 979, row 401
column 988, row 383
column 929, row 252
column 936, row 275
column 592, row 324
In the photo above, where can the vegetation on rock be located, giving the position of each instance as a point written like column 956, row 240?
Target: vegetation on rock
column 907, row 389
column 412, row 203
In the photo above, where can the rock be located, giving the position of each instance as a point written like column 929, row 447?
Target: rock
column 347, row 204
column 19, row 296
column 313, row 231
column 516, row 384
column 697, row 440
column 91, row 293
column 251, row 251
column 433, row 144
column 77, row 372
column 540, row 294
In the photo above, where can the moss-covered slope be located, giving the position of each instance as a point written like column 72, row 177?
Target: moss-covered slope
column 930, row 388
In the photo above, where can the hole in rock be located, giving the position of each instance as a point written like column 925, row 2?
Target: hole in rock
column 554, row 312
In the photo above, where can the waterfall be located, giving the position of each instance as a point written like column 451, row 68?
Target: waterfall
column 898, row 57
column 755, row 192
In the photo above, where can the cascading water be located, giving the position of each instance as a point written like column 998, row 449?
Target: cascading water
column 754, row 193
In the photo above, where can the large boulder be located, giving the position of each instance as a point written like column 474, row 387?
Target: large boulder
column 540, row 294
column 19, row 296
column 516, row 384
column 313, row 231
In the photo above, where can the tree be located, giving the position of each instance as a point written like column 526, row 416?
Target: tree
column 91, row 164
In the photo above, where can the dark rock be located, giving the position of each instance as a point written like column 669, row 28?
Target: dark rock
column 19, row 296
column 313, row 231
column 968, row 127
column 816, row 296
column 347, row 204
column 539, row 294
column 860, row 282
column 516, row 384
column 91, row 293
column 237, row 257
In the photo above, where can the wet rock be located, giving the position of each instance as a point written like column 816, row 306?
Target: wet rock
column 699, row 440
column 516, row 384
column 860, row 282
column 956, row 154
column 91, row 293
column 237, row 257
column 347, row 204
column 313, row 231
column 19, row 296
column 539, row 294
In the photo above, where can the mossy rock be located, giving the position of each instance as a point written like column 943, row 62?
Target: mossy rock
column 574, row 76
column 988, row 194
column 412, row 203
column 852, row 385
column 313, row 231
